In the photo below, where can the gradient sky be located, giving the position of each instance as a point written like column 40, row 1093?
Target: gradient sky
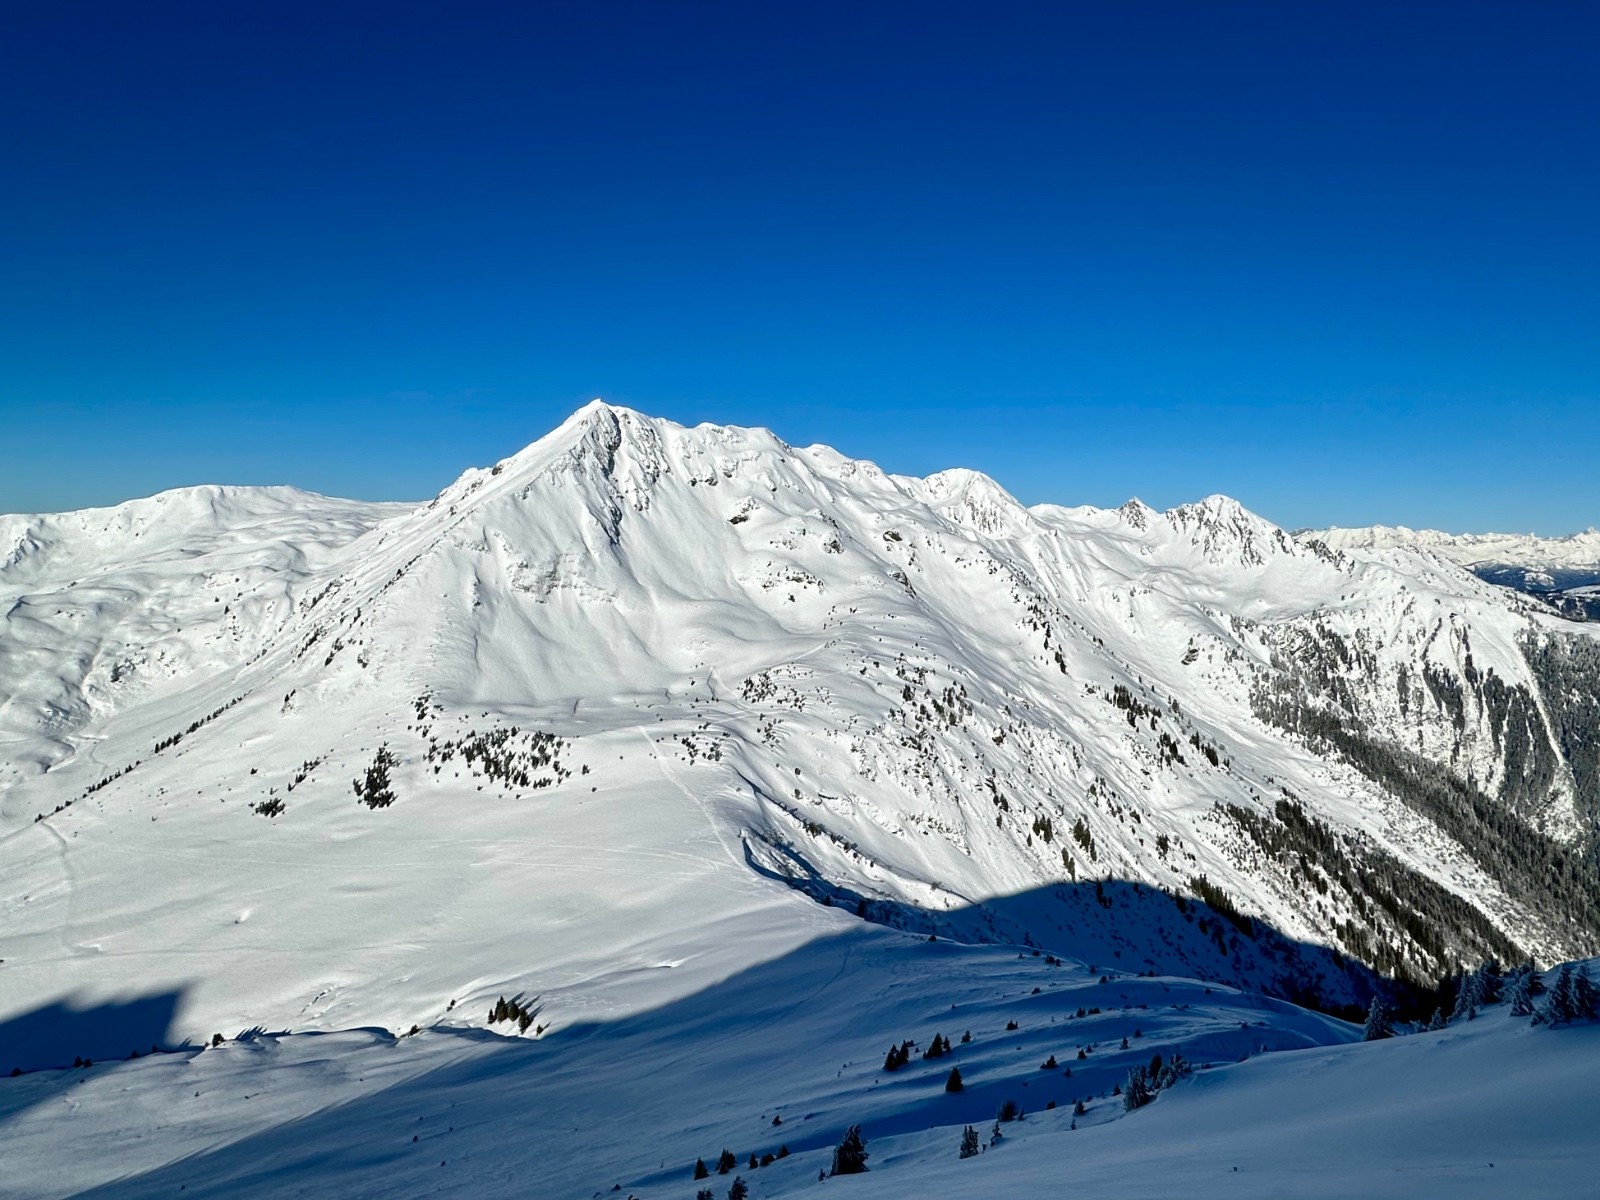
column 1341, row 261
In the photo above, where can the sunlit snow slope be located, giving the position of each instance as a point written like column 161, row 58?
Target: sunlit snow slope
column 646, row 698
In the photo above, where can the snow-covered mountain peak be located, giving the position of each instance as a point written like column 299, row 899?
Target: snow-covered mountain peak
column 973, row 500
column 1137, row 513
column 1224, row 530
column 742, row 677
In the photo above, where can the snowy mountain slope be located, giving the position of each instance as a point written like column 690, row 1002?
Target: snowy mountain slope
column 107, row 607
column 622, row 708
column 784, row 1056
column 1561, row 571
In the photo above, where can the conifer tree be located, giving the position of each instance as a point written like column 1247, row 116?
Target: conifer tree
column 952, row 1081
column 726, row 1162
column 700, row 1171
column 969, row 1142
column 1558, row 1006
column 850, row 1155
column 1378, row 1026
column 1137, row 1092
column 1520, row 994
column 1468, row 996
column 738, row 1190
column 1585, row 997
column 1491, row 983
column 1164, row 1075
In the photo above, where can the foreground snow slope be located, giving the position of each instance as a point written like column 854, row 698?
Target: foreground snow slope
column 789, row 1053
column 644, row 695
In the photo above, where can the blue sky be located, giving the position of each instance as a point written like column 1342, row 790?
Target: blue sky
column 1340, row 261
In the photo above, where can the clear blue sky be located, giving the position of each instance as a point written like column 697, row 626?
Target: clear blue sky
column 1339, row 260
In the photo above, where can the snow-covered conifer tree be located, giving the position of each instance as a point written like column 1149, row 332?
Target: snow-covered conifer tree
column 1378, row 1024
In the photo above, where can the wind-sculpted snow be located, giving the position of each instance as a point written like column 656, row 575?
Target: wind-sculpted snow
column 635, row 700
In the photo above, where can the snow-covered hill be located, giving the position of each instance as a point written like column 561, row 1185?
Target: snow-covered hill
column 642, row 706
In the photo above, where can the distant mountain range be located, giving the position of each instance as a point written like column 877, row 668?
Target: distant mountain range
column 1564, row 571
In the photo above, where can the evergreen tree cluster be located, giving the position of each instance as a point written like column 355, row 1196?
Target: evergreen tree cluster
column 1476, row 989
column 1402, row 922
column 1572, row 997
column 728, row 1161
column 1521, row 988
column 513, row 1010
column 373, row 789
column 505, row 755
column 1568, row 672
column 1559, row 882
column 167, row 743
column 1145, row 1080
column 897, row 1057
column 1221, row 903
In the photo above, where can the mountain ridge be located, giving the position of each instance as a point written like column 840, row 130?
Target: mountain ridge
column 746, row 678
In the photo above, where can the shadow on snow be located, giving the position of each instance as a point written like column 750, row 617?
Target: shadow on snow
column 814, row 1023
